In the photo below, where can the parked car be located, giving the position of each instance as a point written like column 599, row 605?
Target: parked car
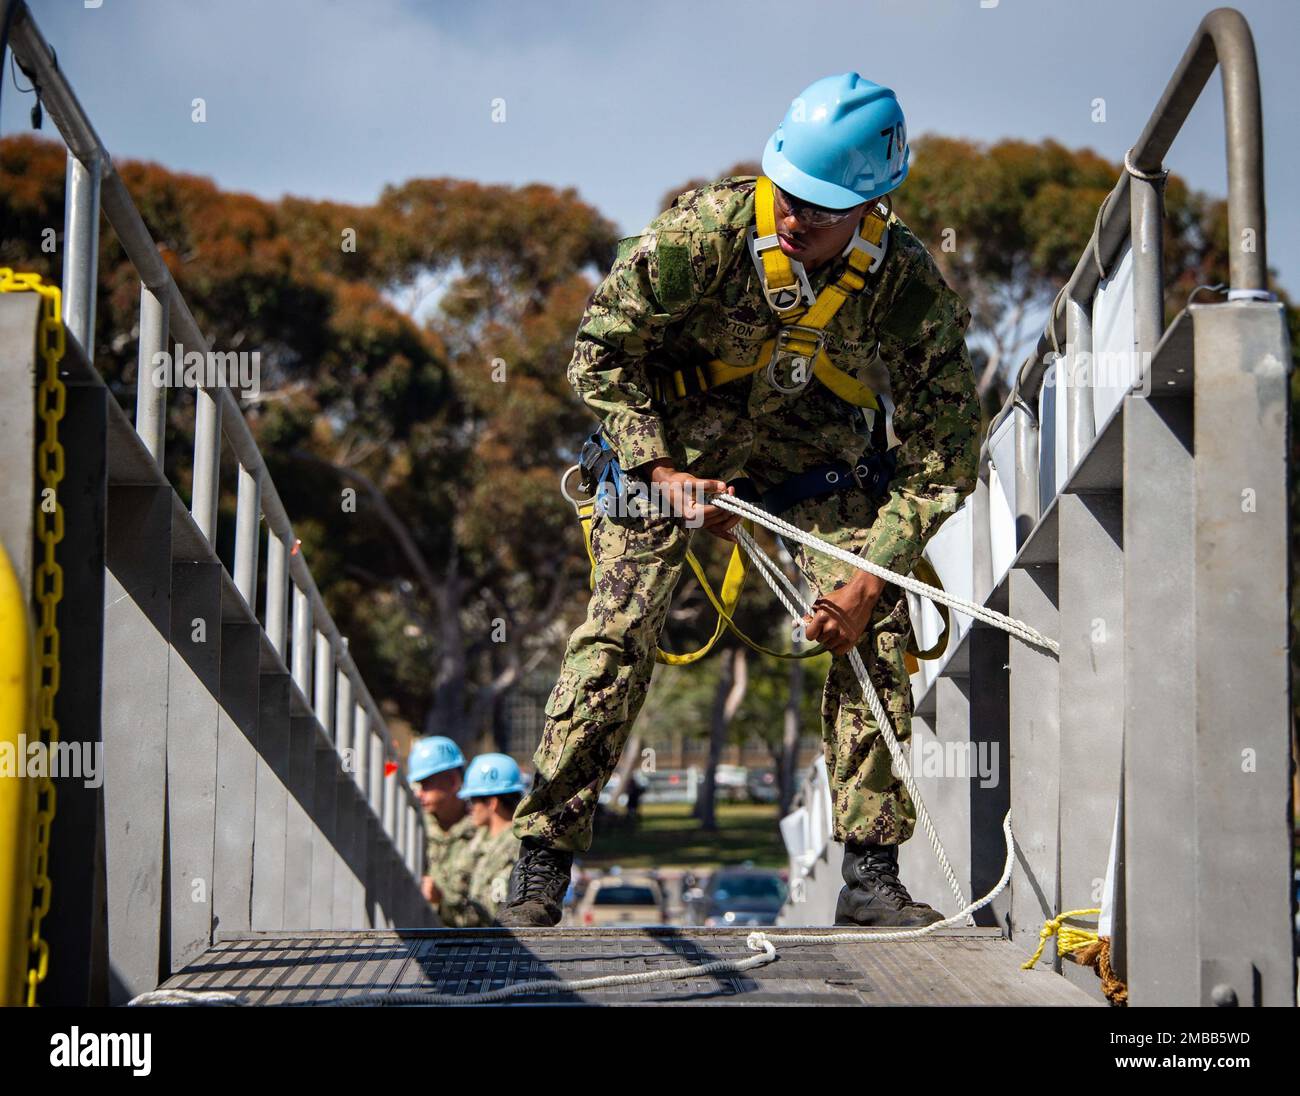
column 672, row 786
column 622, row 900
column 762, row 786
column 731, row 782
column 737, row 896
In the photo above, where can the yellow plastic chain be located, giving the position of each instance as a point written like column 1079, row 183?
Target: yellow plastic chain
column 51, row 403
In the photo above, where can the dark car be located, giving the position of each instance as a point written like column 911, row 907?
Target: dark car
column 762, row 786
column 740, row 897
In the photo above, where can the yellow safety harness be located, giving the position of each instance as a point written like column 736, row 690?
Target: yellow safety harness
column 803, row 326
column 800, row 341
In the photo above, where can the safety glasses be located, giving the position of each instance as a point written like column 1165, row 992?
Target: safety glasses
column 811, row 215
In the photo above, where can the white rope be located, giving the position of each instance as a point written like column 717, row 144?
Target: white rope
column 764, row 943
column 1157, row 176
column 785, row 590
column 1017, row 628
column 563, row 985
column 185, row 997
column 757, row 939
column 883, row 722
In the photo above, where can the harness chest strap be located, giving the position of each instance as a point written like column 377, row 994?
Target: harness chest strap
column 803, row 325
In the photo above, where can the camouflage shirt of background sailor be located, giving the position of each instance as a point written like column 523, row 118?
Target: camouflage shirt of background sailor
column 494, row 859
column 449, row 860
column 685, row 291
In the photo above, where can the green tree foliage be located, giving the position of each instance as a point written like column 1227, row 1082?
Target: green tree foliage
column 414, row 352
column 455, row 571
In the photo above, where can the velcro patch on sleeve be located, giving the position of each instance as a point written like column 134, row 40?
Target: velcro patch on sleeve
column 674, row 282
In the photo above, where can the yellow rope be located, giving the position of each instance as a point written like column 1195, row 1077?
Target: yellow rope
column 1069, row 938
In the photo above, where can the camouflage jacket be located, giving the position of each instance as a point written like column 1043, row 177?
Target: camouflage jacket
column 449, row 860
column 494, row 859
column 686, row 291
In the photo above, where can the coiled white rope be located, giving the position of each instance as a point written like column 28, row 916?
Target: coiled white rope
column 563, row 985
column 186, row 997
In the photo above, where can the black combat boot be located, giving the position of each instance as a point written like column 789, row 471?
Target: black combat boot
column 874, row 897
column 537, row 887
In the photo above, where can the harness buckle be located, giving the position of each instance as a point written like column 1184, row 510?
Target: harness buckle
column 785, row 298
column 863, row 420
column 798, row 362
column 861, row 243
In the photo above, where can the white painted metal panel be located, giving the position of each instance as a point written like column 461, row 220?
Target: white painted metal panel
column 1002, row 454
column 1112, row 339
column 1002, row 522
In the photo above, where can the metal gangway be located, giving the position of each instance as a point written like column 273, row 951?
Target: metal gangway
column 249, row 780
column 1139, row 517
column 254, row 835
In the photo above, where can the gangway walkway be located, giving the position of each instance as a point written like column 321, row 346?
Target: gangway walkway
column 956, row 967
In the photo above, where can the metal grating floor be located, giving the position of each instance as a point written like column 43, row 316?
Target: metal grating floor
column 957, row 967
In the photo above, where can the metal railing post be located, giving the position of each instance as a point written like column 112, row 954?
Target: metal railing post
column 151, row 398
column 247, row 534
column 1081, row 374
column 207, row 461
column 390, row 803
column 1147, row 234
column 361, row 748
column 301, row 640
column 400, row 817
column 81, row 249
column 343, row 719
column 375, row 784
column 323, row 697
column 277, row 590
column 1027, row 511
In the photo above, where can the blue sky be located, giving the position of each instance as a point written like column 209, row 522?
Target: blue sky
column 336, row 98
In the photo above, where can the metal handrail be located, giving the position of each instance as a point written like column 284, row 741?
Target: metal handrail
column 38, row 62
column 1223, row 41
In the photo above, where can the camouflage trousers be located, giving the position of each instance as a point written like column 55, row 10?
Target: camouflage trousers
column 610, row 657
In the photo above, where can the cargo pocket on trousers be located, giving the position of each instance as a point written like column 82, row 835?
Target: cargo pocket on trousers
column 608, row 536
column 560, row 702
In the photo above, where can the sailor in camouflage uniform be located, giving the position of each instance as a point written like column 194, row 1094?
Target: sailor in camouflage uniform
column 688, row 291
column 436, row 768
column 494, row 859
column 493, row 784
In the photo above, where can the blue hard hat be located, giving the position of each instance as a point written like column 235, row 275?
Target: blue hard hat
column 492, row 774
column 432, row 755
column 842, row 142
